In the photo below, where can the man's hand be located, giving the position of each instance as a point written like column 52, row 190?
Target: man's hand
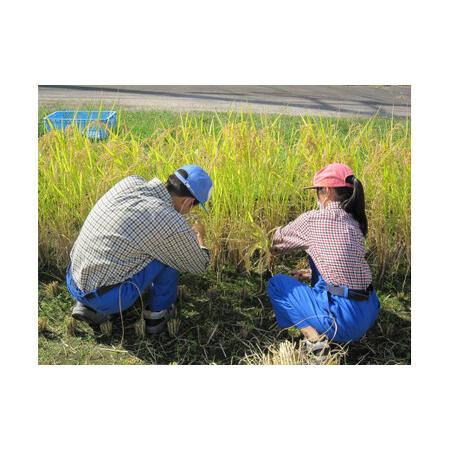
column 199, row 230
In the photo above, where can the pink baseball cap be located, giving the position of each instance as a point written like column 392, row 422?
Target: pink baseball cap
column 333, row 175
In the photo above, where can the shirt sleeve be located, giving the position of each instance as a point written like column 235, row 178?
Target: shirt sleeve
column 293, row 236
column 186, row 255
column 178, row 246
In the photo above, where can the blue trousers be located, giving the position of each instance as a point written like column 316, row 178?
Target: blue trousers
column 300, row 305
column 160, row 280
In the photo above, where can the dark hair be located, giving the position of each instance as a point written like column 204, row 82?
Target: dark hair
column 177, row 188
column 352, row 201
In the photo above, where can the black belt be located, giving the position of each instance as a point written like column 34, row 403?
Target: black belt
column 353, row 294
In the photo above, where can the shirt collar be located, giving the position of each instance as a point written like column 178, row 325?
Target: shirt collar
column 331, row 205
column 160, row 190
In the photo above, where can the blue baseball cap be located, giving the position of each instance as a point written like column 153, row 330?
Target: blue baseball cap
column 198, row 182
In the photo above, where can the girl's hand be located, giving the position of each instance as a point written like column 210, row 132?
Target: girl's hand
column 302, row 274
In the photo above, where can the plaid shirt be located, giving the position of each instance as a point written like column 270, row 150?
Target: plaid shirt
column 334, row 241
column 131, row 225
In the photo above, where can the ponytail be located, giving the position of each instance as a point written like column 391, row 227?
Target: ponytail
column 355, row 203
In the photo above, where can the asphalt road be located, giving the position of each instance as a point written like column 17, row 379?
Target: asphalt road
column 344, row 101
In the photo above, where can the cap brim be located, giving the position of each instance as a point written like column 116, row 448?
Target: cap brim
column 204, row 207
column 318, row 187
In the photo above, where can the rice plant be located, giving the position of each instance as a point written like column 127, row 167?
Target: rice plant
column 259, row 166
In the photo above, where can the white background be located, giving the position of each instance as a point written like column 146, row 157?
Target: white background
column 234, row 42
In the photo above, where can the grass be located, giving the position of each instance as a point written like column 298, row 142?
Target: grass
column 220, row 321
column 258, row 164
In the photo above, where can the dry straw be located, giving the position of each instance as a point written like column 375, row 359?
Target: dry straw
column 43, row 324
column 139, row 327
column 106, row 328
column 292, row 353
column 71, row 325
column 173, row 327
column 52, row 288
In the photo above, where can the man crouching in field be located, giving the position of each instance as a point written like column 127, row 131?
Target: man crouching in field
column 135, row 238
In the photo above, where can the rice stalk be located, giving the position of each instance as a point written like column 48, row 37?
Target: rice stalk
column 106, row 328
column 173, row 327
column 258, row 167
column 43, row 324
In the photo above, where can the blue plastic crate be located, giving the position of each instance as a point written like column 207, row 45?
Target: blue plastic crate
column 96, row 123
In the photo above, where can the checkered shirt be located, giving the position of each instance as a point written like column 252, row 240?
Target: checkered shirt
column 334, row 241
column 131, row 225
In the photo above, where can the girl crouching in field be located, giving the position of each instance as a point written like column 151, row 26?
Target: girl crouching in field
column 341, row 303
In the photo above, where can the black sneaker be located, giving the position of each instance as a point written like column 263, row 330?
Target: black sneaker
column 155, row 321
column 86, row 314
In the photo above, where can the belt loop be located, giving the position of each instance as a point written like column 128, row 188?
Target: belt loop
column 345, row 291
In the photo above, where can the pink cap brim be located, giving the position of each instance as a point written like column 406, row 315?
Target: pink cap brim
column 318, row 187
